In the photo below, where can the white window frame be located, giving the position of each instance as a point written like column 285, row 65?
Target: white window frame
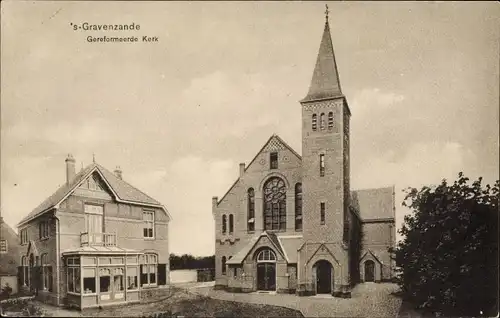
column 148, row 224
column 4, row 247
column 72, row 266
column 148, row 261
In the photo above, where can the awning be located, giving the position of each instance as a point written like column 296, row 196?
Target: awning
column 86, row 250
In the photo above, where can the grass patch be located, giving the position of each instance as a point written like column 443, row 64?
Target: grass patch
column 183, row 303
column 20, row 308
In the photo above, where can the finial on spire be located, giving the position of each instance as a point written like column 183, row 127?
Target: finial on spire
column 326, row 12
column 93, row 157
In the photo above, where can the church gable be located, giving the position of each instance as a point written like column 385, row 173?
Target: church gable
column 274, row 155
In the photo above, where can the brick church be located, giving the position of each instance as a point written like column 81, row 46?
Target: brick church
column 291, row 223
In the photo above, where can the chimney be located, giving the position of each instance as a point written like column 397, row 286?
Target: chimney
column 118, row 172
column 242, row 169
column 70, row 168
column 214, row 202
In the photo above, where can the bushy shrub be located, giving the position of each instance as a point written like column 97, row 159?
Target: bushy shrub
column 449, row 254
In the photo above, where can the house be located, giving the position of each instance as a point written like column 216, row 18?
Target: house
column 9, row 256
column 291, row 223
column 96, row 241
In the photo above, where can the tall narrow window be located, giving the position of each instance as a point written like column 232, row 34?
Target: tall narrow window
column 73, row 275
column 322, row 165
column 24, row 264
column 46, row 273
column 94, row 222
column 251, row 209
column 224, row 224
column 322, row 211
column 314, row 122
column 231, row 223
column 322, row 121
column 274, row 160
column 148, row 218
column 298, row 207
column 223, row 265
column 330, row 120
column 43, row 229
column 275, row 204
column 149, row 266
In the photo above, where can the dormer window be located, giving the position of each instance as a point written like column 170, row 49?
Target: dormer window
column 274, row 160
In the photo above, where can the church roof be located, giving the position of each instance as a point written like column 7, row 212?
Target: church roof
column 374, row 204
column 325, row 81
column 123, row 191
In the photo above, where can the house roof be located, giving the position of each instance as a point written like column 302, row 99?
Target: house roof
column 290, row 245
column 100, row 250
column 325, row 83
column 374, row 203
column 10, row 260
column 123, row 191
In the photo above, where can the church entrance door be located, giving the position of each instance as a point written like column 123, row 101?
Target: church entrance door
column 369, row 271
column 266, row 276
column 323, row 277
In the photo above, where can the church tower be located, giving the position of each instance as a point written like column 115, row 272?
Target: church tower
column 325, row 149
column 325, row 173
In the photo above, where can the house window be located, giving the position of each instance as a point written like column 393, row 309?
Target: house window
column 322, row 121
column 235, row 272
column 298, row 207
column 46, row 273
column 275, row 204
column 118, row 285
column 231, row 224
column 330, row 120
column 94, row 222
column 149, row 266
column 322, row 211
column 132, row 278
column 224, row 225
column 223, row 265
column 314, row 122
column 43, row 229
column 274, row 160
column 251, row 210
column 24, row 236
column 104, row 280
column 73, row 275
column 3, row 246
column 149, row 223
column 322, row 165
column 89, row 281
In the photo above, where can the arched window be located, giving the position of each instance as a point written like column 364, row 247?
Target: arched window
column 224, row 224
column 25, row 271
column 330, row 120
column 298, row 207
column 231, row 223
column 223, row 265
column 314, row 122
column 266, row 255
column 251, row 209
column 322, row 121
column 275, row 204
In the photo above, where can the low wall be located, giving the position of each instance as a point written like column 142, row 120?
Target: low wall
column 183, row 276
column 11, row 280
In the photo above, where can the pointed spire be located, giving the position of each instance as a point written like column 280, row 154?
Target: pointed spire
column 93, row 157
column 325, row 81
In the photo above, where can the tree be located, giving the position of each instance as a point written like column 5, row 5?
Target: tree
column 449, row 254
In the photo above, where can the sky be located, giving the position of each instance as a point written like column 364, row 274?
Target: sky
column 180, row 114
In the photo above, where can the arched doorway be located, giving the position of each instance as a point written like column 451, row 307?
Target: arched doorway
column 324, row 277
column 266, row 270
column 369, row 271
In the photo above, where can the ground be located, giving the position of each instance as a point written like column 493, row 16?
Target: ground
column 193, row 300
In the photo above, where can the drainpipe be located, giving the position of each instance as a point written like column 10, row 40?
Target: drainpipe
column 58, row 286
